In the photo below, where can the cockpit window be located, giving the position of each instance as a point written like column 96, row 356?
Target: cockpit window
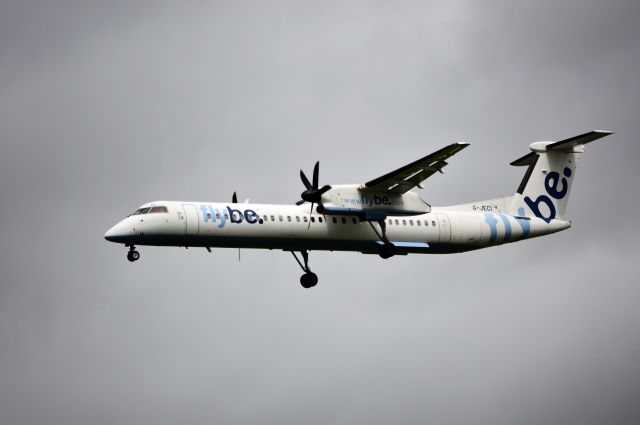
column 159, row 210
column 141, row 211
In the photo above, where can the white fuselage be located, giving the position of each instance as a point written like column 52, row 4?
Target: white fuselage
column 293, row 228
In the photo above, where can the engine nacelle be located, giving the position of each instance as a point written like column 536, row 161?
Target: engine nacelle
column 370, row 205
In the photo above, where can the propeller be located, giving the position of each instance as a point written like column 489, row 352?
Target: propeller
column 312, row 194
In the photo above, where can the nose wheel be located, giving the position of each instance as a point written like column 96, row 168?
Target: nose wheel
column 309, row 279
column 133, row 255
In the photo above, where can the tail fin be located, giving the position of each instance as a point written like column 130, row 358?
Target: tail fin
column 544, row 190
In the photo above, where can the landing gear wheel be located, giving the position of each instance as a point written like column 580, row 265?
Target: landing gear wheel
column 133, row 255
column 387, row 250
column 308, row 280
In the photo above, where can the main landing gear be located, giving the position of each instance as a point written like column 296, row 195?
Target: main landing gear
column 386, row 249
column 309, row 279
column 133, row 255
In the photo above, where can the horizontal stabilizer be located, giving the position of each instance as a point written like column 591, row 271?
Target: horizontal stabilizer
column 525, row 160
column 582, row 139
column 563, row 145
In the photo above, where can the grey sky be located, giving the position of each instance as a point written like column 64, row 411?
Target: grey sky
column 107, row 105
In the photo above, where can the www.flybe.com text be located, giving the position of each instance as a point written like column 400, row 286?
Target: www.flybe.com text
column 371, row 200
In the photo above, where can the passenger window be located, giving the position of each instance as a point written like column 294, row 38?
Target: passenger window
column 410, row 222
column 397, row 222
column 298, row 218
column 264, row 218
column 426, row 222
column 304, row 218
column 389, row 221
column 353, row 220
column 273, row 218
column 320, row 219
column 289, row 218
column 226, row 216
column 344, row 220
column 313, row 219
column 433, row 222
column 418, row 222
column 404, row 222
column 218, row 216
column 335, row 220
column 208, row 216
column 280, row 217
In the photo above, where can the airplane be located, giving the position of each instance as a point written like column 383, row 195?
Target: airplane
column 382, row 216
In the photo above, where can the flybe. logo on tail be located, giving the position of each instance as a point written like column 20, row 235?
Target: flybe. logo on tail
column 557, row 188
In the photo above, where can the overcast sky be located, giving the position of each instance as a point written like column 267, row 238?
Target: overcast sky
column 107, row 105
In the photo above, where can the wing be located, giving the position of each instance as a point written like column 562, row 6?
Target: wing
column 411, row 175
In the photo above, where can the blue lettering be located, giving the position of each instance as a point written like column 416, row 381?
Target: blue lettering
column 205, row 211
column 534, row 206
column 250, row 216
column 552, row 181
column 557, row 188
column 223, row 218
column 235, row 215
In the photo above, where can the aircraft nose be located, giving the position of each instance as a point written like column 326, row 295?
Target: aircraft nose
column 111, row 234
column 114, row 234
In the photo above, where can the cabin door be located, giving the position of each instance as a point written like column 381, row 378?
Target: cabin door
column 191, row 215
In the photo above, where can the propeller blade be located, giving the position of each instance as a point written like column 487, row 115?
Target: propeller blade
column 316, row 170
column 300, row 202
column 305, row 180
column 310, row 211
column 324, row 189
column 234, row 198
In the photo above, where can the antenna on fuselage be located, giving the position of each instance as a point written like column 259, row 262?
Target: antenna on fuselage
column 234, row 200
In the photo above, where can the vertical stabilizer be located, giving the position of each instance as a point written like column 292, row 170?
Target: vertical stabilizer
column 551, row 166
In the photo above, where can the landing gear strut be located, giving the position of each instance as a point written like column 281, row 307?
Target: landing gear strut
column 386, row 249
column 133, row 255
column 309, row 279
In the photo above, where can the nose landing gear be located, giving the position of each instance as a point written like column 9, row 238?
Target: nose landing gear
column 133, row 255
column 309, row 279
